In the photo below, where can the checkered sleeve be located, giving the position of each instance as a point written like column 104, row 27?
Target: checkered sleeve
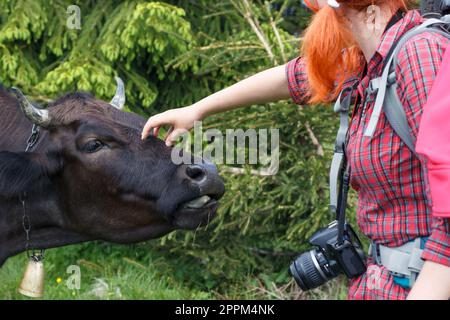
column 297, row 80
column 437, row 248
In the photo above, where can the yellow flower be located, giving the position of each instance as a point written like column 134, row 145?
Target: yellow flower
column 58, row 280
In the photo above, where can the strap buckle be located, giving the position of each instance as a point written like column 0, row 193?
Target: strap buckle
column 403, row 262
column 374, row 252
column 344, row 100
column 373, row 86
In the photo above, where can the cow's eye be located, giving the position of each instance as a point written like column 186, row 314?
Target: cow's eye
column 93, row 146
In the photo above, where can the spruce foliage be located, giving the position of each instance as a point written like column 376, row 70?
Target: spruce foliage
column 171, row 54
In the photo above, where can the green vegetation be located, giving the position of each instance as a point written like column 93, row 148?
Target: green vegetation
column 145, row 271
column 170, row 54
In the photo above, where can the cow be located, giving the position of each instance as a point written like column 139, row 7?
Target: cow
column 90, row 176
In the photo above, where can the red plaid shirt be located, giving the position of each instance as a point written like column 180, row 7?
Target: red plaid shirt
column 394, row 202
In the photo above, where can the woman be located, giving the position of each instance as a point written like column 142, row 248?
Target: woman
column 348, row 42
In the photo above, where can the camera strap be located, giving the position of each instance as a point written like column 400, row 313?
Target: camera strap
column 340, row 171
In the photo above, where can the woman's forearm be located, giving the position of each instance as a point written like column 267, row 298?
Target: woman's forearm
column 267, row 86
column 433, row 283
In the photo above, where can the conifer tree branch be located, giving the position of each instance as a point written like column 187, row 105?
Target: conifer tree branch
column 254, row 24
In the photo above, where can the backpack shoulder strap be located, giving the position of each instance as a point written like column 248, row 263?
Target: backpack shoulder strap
column 396, row 115
column 387, row 98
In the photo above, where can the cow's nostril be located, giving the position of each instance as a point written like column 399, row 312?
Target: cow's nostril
column 195, row 172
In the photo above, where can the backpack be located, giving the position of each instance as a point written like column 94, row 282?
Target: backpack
column 434, row 8
column 387, row 100
column 385, row 86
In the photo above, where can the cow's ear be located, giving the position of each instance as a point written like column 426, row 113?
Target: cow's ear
column 21, row 172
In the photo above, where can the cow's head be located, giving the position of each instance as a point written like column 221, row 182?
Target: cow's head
column 108, row 183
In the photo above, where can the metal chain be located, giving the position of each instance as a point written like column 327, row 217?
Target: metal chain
column 33, row 138
column 26, row 222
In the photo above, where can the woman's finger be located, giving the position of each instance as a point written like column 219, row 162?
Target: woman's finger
column 172, row 138
column 147, row 128
column 168, row 133
column 153, row 122
column 156, row 131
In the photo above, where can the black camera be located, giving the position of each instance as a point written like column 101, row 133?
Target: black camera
column 330, row 258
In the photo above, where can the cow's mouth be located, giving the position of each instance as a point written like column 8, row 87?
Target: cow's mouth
column 196, row 213
column 198, row 203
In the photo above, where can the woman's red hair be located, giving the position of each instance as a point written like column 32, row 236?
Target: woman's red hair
column 331, row 52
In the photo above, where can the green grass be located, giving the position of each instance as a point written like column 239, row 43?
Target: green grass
column 147, row 271
column 107, row 272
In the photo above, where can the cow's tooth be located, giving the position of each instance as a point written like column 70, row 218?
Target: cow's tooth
column 198, row 203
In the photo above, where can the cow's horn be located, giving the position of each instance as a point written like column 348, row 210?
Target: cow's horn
column 41, row 117
column 119, row 99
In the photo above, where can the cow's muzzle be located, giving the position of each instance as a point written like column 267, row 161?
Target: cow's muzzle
column 201, row 209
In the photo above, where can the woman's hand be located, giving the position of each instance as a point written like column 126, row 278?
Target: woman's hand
column 433, row 283
column 266, row 86
column 180, row 120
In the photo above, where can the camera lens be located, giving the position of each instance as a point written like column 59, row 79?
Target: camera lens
column 308, row 270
